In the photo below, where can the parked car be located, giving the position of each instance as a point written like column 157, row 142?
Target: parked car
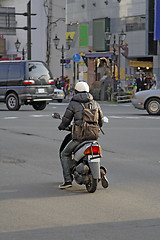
column 148, row 100
column 25, row 82
column 58, row 94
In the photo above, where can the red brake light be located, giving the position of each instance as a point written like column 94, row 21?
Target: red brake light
column 29, row 82
column 93, row 150
column 51, row 81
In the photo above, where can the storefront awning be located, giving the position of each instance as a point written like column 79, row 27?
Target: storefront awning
column 98, row 54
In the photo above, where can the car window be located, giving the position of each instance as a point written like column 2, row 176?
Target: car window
column 3, row 71
column 39, row 73
column 14, row 71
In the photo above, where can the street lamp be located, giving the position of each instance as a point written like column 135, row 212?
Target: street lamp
column 121, row 38
column 17, row 45
column 56, row 41
column 108, row 36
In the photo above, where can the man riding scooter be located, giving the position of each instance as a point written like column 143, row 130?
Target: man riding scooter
column 74, row 112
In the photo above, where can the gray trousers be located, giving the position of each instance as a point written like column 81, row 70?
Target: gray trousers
column 66, row 159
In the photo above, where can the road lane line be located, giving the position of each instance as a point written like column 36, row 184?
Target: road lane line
column 10, row 117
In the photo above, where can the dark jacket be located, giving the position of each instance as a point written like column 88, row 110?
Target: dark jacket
column 75, row 111
column 140, row 84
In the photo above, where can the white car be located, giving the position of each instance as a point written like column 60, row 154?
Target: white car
column 148, row 100
column 58, row 94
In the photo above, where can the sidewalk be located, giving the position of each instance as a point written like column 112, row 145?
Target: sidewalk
column 68, row 98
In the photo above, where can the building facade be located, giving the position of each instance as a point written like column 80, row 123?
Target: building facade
column 86, row 22
column 94, row 18
column 38, row 35
column 48, row 20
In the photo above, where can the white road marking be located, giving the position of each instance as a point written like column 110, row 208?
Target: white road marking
column 135, row 117
column 107, row 118
column 59, row 104
column 38, row 116
column 10, row 117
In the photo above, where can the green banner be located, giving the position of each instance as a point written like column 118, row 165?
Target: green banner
column 83, row 35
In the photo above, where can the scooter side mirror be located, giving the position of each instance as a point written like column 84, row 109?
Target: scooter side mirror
column 56, row 115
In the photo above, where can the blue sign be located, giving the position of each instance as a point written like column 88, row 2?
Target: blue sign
column 67, row 61
column 68, row 65
column 76, row 57
column 157, row 20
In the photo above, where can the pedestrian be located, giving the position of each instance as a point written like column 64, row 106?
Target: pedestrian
column 57, row 83
column 147, row 82
column 67, row 86
column 74, row 112
column 153, row 83
column 140, row 83
column 62, row 82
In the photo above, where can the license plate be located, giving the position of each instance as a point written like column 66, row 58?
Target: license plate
column 41, row 90
column 94, row 159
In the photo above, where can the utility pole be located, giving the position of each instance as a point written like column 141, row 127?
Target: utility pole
column 29, row 30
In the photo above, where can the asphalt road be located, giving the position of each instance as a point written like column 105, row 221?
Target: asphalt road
column 33, row 208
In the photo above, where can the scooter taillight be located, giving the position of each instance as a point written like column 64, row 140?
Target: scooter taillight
column 92, row 150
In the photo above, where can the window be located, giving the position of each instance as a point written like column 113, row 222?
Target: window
column 3, row 71
column 39, row 73
column 100, row 26
column 135, row 23
column 14, row 71
column 8, row 20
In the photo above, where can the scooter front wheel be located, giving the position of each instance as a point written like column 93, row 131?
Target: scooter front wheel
column 91, row 186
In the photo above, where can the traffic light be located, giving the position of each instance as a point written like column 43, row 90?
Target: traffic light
column 125, row 50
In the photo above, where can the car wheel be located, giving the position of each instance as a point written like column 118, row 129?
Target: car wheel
column 12, row 102
column 153, row 106
column 39, row 105
column 59, row 100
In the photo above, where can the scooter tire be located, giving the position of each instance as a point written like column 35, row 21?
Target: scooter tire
column 91, row 186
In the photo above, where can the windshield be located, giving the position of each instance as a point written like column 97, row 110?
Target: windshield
column 38, row 72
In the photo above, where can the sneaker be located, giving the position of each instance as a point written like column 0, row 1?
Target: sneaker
column 65, row 185
column 104, row 180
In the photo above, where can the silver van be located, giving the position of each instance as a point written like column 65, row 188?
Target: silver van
column 25, row 82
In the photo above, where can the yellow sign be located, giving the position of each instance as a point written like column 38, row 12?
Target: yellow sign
column 82, row 54
column 122, row 73
column 140, row 64
column 71, row 34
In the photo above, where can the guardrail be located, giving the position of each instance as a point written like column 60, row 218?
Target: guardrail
column 125, row 98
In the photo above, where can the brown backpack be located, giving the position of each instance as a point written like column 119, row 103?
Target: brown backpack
column 89, row 130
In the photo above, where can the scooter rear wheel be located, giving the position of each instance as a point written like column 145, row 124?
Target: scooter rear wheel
column 91, row 186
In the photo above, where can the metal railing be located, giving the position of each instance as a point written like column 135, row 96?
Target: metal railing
column 124, row 98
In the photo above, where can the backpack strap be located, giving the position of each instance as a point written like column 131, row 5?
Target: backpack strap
column 82, row 105
column 88, row 103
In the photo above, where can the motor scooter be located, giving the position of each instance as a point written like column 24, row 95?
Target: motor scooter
column 86, row 157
